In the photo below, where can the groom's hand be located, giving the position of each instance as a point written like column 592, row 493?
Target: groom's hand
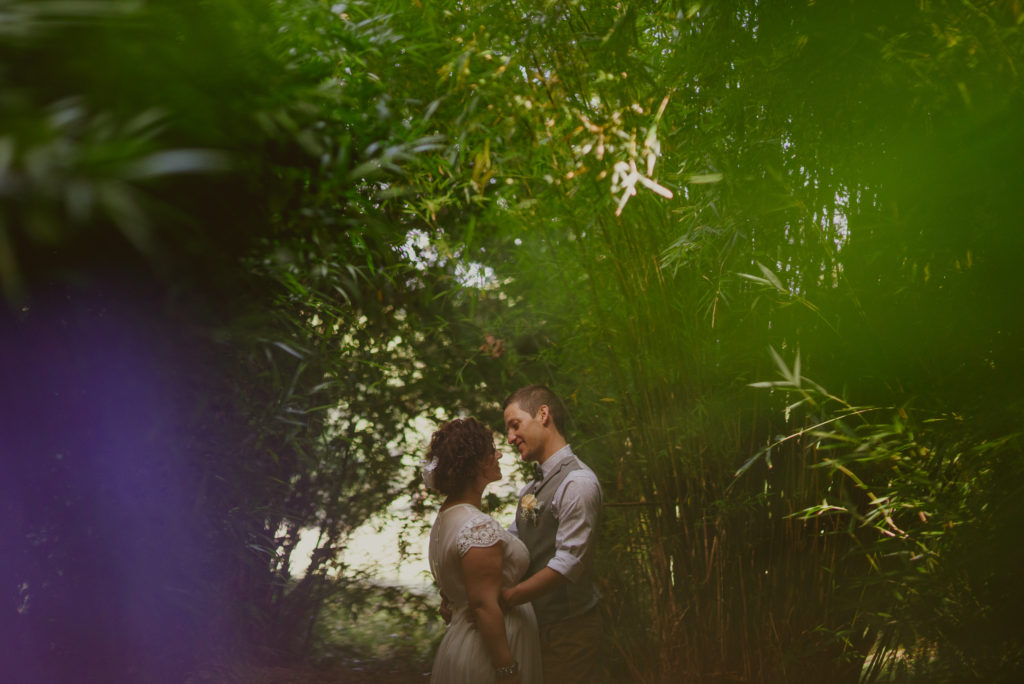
column 508, row 599
column 540, row 583
column 503, row 603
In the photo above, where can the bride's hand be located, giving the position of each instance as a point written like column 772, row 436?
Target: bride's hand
column 513, row 677
column 510, row 679
column 445, row 610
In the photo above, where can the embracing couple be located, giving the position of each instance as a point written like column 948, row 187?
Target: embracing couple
column 522, row 601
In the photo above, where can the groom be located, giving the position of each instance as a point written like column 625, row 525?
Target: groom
column 557, row 519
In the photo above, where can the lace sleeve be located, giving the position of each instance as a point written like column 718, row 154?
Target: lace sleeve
column 479, row 531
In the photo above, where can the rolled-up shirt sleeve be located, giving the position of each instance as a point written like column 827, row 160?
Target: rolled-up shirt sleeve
column 578, row 509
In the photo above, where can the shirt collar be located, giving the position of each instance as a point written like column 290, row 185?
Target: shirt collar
column 556, row 459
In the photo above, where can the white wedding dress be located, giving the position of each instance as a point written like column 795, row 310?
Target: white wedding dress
column 461, row 657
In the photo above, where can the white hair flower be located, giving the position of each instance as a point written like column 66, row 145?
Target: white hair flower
column 428, row 473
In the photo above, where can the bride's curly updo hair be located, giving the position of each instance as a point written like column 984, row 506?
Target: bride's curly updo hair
column 459, row 447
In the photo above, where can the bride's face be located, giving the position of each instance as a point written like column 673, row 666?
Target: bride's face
column 491, row 469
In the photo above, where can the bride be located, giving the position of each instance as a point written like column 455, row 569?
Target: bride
column 472, row 559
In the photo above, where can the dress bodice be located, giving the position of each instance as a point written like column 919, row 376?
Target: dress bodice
column 460, row 528
column 461, row 656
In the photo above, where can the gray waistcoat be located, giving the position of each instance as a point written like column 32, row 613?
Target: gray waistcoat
column 570, row 599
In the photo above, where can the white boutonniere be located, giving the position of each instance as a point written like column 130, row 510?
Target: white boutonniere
column 530, row 508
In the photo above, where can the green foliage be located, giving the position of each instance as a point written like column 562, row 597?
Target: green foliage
column 927, row 502
column 353, row 215
column 213, row 175
column 380, row 624
column 670, row 192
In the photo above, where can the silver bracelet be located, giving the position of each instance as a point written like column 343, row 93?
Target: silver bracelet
column 508, row 670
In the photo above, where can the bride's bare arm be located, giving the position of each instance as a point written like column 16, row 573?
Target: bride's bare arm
column 481, row 569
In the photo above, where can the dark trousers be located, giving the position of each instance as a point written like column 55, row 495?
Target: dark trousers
column 571, row 649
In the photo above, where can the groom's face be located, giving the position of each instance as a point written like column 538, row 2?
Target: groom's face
column 525, row 432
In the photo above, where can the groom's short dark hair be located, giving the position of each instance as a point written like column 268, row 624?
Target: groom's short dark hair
column 532, row 397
